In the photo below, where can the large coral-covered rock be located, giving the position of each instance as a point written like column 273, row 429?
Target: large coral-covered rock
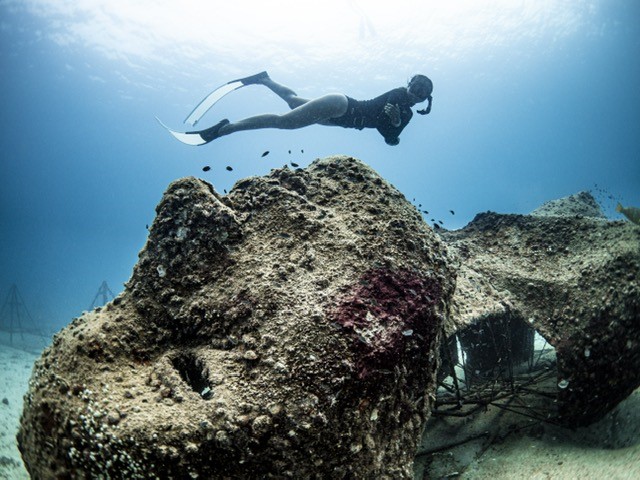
column 285, row 330
column 574, row 279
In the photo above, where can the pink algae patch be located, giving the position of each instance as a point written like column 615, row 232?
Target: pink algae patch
column 385, row 312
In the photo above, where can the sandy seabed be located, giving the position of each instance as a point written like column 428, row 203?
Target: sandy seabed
column 546, row 458
column 607, row 450
column 15, row 370
column 554, row 453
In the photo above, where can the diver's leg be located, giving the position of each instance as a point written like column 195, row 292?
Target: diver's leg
column 285, row 93
column 311, row 112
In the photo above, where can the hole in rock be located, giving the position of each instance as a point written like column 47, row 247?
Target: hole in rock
column 499, row 361
column 192, row 372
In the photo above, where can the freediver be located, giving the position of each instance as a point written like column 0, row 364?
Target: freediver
column 389, row 113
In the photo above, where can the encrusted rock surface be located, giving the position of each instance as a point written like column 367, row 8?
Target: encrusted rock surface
column 576, row 280
column 290, row 330
column 286, row 330
column 579, row 204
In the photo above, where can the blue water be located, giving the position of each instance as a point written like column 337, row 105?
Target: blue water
column 533, row 100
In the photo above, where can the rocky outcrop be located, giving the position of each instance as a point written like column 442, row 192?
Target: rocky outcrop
column 568, row 273
column 580, row 204
column 575, row 280
column 286, row 330
column 291, row 329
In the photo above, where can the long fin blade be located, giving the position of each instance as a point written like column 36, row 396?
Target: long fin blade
column 210, row 100
column 189, row 138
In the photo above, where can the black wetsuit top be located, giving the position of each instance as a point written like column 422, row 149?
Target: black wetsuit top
column 370, row 114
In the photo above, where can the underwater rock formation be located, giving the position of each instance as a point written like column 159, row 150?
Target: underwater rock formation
column 580, row 204
column 286, row 330
column 575, row 280
column 291, row 329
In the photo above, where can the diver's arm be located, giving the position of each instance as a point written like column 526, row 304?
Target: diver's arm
column 390, row 132
column 393, row 112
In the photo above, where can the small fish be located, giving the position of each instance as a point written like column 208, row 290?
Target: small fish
column 289, row 152
column 294, row 165
column 440, row 222
column 426, row 212
column 265, row 153
column 206, row 169
column 436, row 226
column 302, row 151
column 224, row 190
column 229, row 167
column 452, row 212
column 147, row 226
column 632, row 213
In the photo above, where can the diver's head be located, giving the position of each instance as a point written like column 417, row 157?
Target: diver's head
column 420, row 88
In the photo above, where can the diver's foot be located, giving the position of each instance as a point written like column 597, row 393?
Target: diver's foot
column 253, row 79
column 212, row 133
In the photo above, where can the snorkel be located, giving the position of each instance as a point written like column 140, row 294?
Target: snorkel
column 425, row 111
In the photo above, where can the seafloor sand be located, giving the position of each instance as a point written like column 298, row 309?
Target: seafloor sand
column 608, row 450
column 15, row 370
column 509, row 446
column 551, row 457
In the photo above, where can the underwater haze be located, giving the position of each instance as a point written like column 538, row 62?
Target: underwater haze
column 532, row 101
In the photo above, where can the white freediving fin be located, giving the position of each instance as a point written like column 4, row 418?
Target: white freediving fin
column 189, row 138
column 210, row 100
column 197, row 137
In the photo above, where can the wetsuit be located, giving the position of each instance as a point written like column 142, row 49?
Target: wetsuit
column 370, row 114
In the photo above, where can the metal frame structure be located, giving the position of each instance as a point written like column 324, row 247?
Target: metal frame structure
column 494, row 362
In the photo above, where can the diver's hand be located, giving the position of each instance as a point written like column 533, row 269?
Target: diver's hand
column 393, row 112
